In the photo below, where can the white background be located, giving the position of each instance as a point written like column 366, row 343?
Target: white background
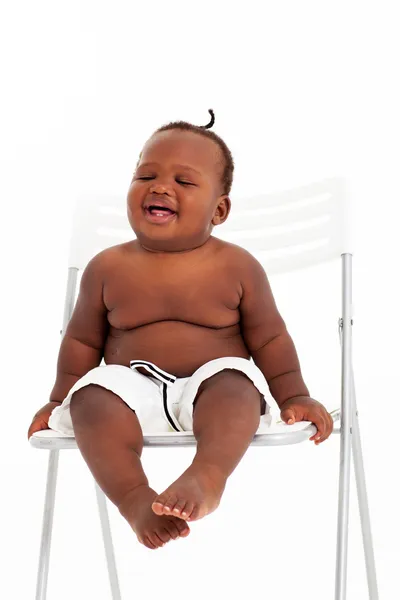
column 301, row 91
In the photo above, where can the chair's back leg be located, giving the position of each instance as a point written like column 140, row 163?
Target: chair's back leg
column 108, row 546
column 43, row 571
column 363, row 501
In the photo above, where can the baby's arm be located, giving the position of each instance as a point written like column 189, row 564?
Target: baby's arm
column 82, row 346
column 265, row 334
column 273, row 351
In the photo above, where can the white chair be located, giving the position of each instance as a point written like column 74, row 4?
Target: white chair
column 295, row 229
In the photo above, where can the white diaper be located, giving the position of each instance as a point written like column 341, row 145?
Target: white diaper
column 162, row 402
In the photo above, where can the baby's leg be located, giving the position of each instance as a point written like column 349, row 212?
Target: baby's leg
column 110, row 439
column 226, row 417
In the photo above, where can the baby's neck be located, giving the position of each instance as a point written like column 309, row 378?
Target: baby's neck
column 144, row 248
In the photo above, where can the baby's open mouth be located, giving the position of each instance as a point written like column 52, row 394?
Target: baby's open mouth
column 153, row 210
column 159, row 214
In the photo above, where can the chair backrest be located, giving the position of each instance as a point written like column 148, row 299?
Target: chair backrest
column 284, row 231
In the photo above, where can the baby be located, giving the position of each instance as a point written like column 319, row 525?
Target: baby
column 177, row 314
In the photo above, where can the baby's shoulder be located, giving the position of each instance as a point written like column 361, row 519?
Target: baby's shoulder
column 236, row 254
column 111, row 256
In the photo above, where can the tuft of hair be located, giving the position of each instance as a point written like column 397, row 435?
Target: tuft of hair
column 204, row 130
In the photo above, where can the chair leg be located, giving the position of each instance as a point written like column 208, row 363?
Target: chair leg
column 350, row 441
column 343, row 514
column 363, row 502
column 47, row 527
column 108, row 546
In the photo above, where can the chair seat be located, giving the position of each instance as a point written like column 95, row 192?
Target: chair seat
column 278, row 434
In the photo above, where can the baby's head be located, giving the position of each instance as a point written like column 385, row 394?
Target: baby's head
column 190, row 170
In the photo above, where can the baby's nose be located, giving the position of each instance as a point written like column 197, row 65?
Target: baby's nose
column 159, row 188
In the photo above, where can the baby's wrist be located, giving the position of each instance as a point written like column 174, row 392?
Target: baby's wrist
column 299, row 398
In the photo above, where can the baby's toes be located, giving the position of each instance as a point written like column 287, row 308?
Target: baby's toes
column 179, row 508
column 157, row 538
column 182, row 527
column 158, row 505
column 193, row 513
column 176, row 527
column 164, row 504
column 187, row 510
column 146, row 541
column 172, row 529
column 164, row 534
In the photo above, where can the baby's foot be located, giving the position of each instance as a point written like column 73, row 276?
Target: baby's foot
column 194, row 495
column 153, row 531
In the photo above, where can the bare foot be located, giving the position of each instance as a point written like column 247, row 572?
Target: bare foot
column 153, row 531
column 194, row 495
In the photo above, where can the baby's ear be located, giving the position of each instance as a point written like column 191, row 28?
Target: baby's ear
column 222, row 211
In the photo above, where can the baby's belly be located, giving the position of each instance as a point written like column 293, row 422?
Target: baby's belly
column 177, row 347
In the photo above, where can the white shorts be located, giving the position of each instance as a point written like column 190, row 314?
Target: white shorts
column 162, row 402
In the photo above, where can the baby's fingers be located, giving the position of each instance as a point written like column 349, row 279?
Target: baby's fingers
column 325, row 428
column 37, row 425
column 319, row 423
column 328, row 427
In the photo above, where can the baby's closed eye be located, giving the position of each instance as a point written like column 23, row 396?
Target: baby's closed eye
column 180, row 181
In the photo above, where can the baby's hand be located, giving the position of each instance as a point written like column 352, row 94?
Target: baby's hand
column 41, row 419
column 304, row 408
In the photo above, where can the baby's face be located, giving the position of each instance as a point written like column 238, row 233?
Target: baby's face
column 184, row 170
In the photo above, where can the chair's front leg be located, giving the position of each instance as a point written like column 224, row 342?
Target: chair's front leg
column 345, row 334
column 363, row 502
column 343, row 513
column 44, row 559
column 108, row 545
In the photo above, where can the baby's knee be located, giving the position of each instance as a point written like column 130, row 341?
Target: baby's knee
column 232, row 383
column 231, row 389
column 96, row 411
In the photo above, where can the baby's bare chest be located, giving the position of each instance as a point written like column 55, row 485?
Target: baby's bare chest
column 202, row 294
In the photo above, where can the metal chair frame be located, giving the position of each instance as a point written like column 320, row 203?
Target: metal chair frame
column 350, row 442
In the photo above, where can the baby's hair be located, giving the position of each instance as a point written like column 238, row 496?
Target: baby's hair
column 227, row 175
